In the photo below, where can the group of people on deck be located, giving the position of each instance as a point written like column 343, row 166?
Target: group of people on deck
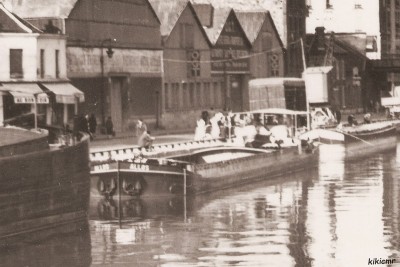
column 242, row 127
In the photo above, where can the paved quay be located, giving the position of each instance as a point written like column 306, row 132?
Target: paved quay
column 127, row 139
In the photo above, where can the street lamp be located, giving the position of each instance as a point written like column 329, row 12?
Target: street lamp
column 110, row 53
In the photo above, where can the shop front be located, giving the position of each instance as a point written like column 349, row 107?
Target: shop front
column 64, row 103
column 22, row 104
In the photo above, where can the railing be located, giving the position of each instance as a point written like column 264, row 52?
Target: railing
column 156, row 150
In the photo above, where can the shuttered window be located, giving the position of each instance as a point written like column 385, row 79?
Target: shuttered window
column 16, row 63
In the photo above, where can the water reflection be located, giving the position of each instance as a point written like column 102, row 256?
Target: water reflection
column 66, row 248
column 339, row 214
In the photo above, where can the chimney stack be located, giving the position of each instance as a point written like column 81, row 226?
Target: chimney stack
column 320, row 38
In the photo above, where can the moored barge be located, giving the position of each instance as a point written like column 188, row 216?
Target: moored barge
column 197, row 172
column 42, row 186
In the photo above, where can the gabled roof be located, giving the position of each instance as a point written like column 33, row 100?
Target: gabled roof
column 28, row 24
column 11, row 23
column 168, row 12
column 341, row 45
column 252, row 22
column 220, row 15
column 44, row 8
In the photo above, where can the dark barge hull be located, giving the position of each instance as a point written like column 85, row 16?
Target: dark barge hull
column 366, row 143
column 42, row 190
column 148, row 178
column 201, row 178
column 267, row 166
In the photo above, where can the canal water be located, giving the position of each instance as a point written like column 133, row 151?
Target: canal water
column 341, row 213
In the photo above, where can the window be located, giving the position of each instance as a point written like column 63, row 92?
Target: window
column 16, row 63
column 266, row 41
column 185, row 95
column 57, row 63
column 274, row 65
column 192, row 99
column 199, row 95
column 176, row 95
column 167, row 96
column 207, row 94
column 186, row 36
column 217, row 94
column 42, row 70
column 193, row 58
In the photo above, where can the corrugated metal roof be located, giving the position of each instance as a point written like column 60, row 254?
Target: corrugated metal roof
column 168, row 12
column 251, row 22
column 43, row 8
column 220, row 15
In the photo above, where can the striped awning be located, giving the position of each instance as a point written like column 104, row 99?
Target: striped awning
column 25, row 93
column 65, row 93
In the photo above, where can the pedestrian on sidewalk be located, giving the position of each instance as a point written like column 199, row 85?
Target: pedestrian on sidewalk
column 146, row 140
column 92, row 124
column 109, row 127
column 86, row 126
column 141, row 127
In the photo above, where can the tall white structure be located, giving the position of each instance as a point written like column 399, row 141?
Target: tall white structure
column 33, row 73
column 348, row 16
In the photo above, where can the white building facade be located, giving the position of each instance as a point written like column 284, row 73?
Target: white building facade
column 32, row 69
column 347, row 16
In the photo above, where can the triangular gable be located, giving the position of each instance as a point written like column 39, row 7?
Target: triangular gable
column 269, row 17
column 220, row 16
column 168, row 12
column 251, row 22
column 220, row 19
column 11, row 23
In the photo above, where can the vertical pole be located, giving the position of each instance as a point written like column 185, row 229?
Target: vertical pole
column 102, row 93
column 305, row 67
column 157, row 109
column 303, row 56
column 35, row 113
column 184, row 194
column 119, row 194
column 184, row 182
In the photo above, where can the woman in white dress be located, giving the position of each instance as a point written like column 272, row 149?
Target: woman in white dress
column 200, row 131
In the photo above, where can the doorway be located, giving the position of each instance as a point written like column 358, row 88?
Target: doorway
column 116, row 103
column 236, row 93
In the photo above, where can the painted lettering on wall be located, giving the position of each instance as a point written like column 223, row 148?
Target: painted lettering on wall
column 230, row 52
column 87, row 61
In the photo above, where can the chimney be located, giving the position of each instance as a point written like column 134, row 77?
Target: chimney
column 205, row 13
column 320, row 38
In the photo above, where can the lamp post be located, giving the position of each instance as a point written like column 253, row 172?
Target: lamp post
column 157, row 109
column 110, row 53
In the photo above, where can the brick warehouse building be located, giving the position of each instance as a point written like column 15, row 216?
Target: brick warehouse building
column 121, row 78
column 188, row 85
column 209, row 56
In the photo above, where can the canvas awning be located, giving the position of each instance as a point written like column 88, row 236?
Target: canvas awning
column 25, row 93
column 65, row 93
